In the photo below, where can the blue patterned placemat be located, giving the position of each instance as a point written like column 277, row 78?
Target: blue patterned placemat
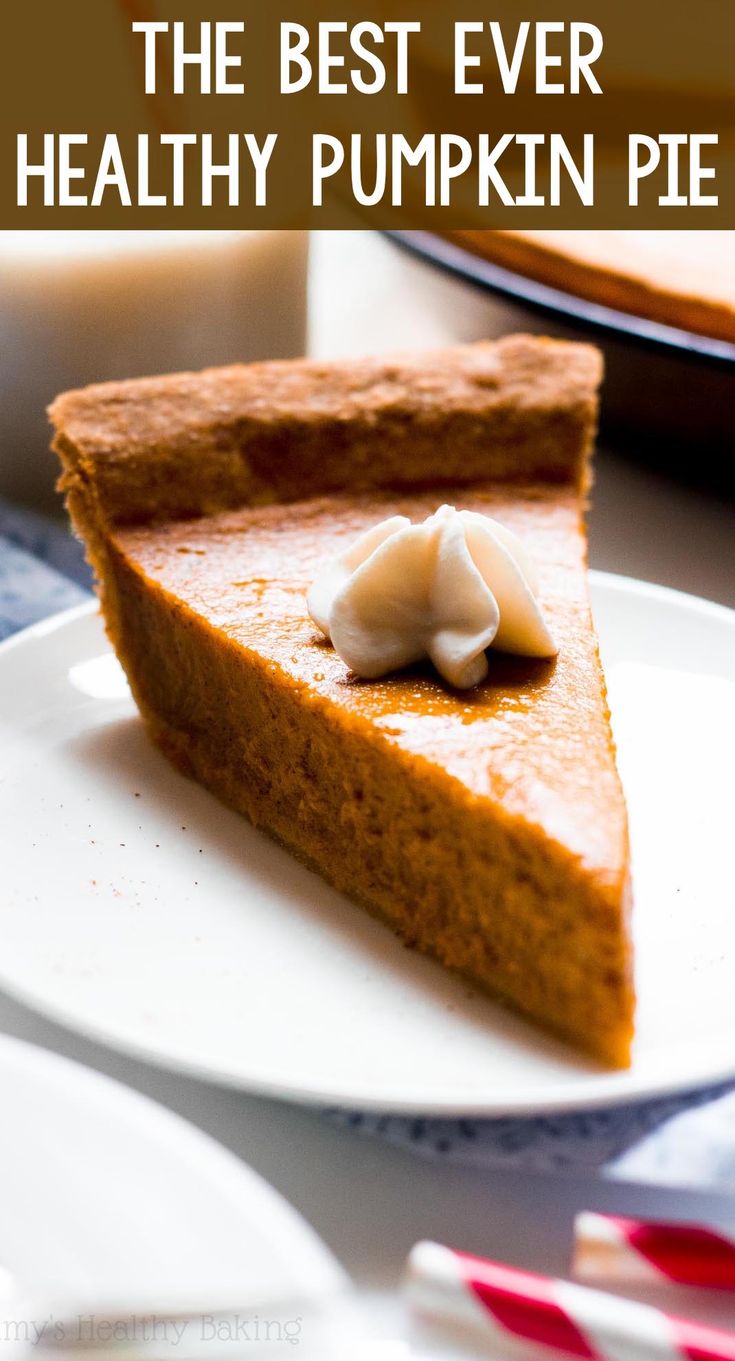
column 42, row 569
column 685, row 1140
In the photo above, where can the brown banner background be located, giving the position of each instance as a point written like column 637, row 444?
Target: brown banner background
column 76, row 67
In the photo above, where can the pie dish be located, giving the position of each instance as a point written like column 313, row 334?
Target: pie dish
column 684, row 279
column 487, row 827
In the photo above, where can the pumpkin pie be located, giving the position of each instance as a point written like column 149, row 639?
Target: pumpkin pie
column 682, row 278
column 486, row 826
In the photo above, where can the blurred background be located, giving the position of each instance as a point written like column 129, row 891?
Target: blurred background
column 83, row 307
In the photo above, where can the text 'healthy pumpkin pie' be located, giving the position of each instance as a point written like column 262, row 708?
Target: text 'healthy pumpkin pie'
column 487, row 824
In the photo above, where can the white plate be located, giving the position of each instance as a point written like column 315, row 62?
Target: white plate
column 137, row 910
column 108, row 1199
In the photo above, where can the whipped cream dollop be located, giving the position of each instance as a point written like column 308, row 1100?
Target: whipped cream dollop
column 446, row 589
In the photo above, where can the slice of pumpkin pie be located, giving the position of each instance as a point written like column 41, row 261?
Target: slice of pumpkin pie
column 351, row 600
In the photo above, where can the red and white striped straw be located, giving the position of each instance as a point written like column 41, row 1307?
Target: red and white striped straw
column 512, row 1307
column 635, row 1252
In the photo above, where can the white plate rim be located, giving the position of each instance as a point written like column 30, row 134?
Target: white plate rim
column 601, row 1090
column 308, row 1254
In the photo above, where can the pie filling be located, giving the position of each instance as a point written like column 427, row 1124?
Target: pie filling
column 486, row 825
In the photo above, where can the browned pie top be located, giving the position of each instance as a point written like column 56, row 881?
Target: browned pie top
column 517, row 737
column 515, row 410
